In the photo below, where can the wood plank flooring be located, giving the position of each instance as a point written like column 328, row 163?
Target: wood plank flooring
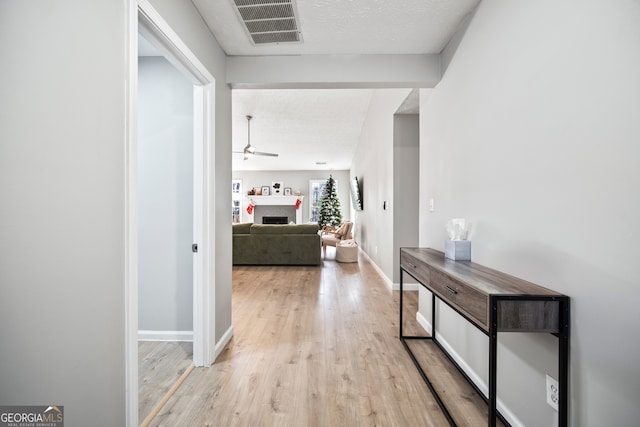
column 312, row 347
column 465, row 406
column 160, row 365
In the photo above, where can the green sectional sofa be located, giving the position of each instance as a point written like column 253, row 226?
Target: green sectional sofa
column 294, row 244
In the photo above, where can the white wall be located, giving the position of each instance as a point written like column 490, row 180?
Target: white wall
column 373, row 165
column 186, row 21
column 62, row 231
column 532, row 135
column 165, row 197
column 406, row 194
column 297, row 180
column 62, row 169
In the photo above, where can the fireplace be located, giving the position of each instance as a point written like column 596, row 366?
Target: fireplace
column 284, row 206
column 275, row 220
column 264, row 213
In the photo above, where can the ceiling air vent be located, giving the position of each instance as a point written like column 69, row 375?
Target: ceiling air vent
column 269, row 21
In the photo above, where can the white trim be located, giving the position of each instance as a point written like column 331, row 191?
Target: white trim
column 424, row 322
column 405, row 286
column 198, row 202
column 475, row 378
column 275, row 201
column 222, row 342
column 162, row 36
column 378, row 270
column 392, row 286
column 158, row 32
column 143, row 18
column 131, row 220
column 203, row 294
column 205, row 327
column 182, row 336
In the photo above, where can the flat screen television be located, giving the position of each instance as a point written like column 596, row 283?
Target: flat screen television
column 356, row 194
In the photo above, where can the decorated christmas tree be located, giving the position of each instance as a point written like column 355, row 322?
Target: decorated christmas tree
column 329, row 205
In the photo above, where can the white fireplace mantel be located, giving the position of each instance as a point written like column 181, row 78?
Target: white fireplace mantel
column 277, row 201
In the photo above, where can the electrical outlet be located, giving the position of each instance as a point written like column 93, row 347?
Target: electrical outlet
column 432, row 206
column 552, row 392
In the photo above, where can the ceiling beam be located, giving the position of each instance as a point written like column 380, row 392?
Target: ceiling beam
column 333, row 71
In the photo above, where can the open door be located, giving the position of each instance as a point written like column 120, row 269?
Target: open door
column 145, row 20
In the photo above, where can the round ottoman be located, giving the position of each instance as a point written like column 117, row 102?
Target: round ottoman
column 347, row 251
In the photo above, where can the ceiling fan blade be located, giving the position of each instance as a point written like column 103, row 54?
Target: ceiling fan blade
column 250, row 151
column 258, row 153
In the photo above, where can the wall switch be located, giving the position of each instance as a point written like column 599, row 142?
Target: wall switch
column 431, row 205
column 552, row 392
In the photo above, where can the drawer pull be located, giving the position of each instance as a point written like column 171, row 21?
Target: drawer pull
column 450, row 289
column 413, row 265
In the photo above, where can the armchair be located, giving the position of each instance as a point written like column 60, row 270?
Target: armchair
column 331, row 235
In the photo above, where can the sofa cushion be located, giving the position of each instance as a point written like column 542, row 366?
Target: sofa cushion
column 242, row 228
column 284, row 229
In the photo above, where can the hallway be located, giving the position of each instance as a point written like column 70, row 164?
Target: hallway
column 312, row 347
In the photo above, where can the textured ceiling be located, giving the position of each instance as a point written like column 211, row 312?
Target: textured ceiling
column 348, row 26
column 302, row 126
column 309, row 126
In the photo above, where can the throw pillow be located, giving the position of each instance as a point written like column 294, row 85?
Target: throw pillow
column 340, row 231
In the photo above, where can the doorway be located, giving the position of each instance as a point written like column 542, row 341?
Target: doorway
column 165, row 191
column 146, row 21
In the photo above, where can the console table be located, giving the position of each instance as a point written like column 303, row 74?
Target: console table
column 492, row 302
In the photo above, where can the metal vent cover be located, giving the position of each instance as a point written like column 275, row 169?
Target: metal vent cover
column 269, row 21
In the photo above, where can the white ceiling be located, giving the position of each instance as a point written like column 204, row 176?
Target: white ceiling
column 302, row 126
column 309, row 126
column 330, row 27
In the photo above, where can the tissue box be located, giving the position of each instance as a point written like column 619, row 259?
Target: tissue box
column 458, row 250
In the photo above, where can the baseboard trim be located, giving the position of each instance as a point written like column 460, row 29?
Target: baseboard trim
column 422, row 321
column 406, row 286
column 378, row 270
column 186, row 336
column 392, row 286
column 477, row 380
column 222, row 342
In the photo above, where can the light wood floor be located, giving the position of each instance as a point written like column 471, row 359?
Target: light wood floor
column 316, row 347
column 160, row 365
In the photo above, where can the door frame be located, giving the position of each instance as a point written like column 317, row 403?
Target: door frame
column 143, row 18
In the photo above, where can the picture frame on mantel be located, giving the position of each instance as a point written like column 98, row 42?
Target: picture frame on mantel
column 287, row 191
column 277, row 188
column 265, row 190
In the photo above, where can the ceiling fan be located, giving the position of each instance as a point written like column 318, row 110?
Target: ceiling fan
column 250, row 151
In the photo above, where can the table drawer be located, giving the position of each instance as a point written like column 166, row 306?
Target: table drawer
column 418, row 269
column 468, row 300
